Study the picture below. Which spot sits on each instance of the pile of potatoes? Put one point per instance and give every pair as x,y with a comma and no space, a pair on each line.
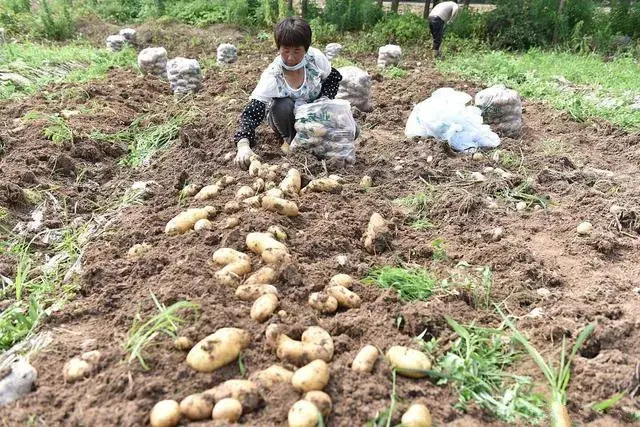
337,294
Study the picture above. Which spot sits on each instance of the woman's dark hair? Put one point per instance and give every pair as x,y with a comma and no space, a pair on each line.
293,32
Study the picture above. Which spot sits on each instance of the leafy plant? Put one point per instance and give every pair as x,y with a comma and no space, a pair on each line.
395,72
57,130
411,284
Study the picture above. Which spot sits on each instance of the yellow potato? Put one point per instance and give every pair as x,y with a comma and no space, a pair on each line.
365,359
231,222
203,224
272,335
344,296
271,251
253,202
323,302
313,376
265,275
190,190
321,400
76,369
342,280
218,349
277,232
254,167
183,343
138,250
232,206
417,416
303,414
228,409
291,183
253,292
245,391
208,192
337,178
226,180
184,221
366,182
300,353
323,185
196,407
408,362
244,192
165,413
281,206
271,376
264,307
258,185
92,357
376,237
275,192
317,335
224,256
270,185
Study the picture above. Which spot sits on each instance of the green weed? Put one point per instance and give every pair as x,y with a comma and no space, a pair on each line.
411,284
477,282
523,193
608,403
419,205
395,73
57,130
439,251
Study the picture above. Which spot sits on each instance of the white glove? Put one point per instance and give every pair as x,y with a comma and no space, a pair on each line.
244,154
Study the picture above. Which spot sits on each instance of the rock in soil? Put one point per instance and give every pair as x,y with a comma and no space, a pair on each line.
17,381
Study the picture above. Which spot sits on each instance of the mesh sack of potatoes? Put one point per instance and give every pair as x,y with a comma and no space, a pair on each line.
502,109
184,75
115,43
327,130
355,87
153,60
227,53
129,35
333,50
389,55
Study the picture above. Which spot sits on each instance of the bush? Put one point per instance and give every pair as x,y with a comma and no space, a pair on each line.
54,21
518,25
403,29
323,32
470,24
352,15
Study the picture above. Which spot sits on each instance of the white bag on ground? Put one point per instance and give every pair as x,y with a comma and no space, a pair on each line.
502,109
332,50
446,116
115,43
389,55
153,60
326,129
355,87
184,75
227,53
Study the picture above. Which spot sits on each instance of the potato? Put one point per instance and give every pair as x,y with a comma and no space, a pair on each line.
271,176
323,302
218,349
265,275
138,250
91,357
228,409
281,206
271,251
275,192
254,167
258,185
291,183
342,280
253,292
271,376
321,400
344,296
323,185
264,307
183,343
190,190
253,202
270,185
417,416
231,273
184,221
227,179
278,232
316,343
272,335
203,224
196,406
231,222
337,178
165,413
232,206
377,236
313,376
317,335
285,148
303,414
408,362
245,391
366,182
224,256
365,359
244,192
208,192
76,369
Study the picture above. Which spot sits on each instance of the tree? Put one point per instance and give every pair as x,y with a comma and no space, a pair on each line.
394,5
305,7
556,28
466,3
290,6
427,7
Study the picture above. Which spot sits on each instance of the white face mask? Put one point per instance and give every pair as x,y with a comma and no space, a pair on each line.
296,67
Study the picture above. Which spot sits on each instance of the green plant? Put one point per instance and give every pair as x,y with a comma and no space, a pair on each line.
395,73
55,21
477,366
524,192
411,284
477,282
350,15
57,130
419,205
439,252
557,377
167,322
608,403
404,29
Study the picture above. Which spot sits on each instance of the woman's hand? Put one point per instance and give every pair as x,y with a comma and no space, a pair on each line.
244,154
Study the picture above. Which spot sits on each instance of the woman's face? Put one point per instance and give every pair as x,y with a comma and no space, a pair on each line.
292,55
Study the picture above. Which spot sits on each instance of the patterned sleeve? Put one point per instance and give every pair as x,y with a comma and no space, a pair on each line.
330,84
250,119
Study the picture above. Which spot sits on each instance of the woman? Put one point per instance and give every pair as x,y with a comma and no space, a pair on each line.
300,74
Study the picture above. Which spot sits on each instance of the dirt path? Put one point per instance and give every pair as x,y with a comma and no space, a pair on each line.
589,278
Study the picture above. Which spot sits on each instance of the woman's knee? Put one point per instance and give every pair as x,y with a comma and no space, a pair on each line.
282,107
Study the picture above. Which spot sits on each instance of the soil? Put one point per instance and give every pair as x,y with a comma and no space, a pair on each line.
593,278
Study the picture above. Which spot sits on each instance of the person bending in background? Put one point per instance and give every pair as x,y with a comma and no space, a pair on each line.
300,74
440,16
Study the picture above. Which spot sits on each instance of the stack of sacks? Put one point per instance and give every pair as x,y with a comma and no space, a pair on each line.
184,75
227,53
389,55
502,109
129,35
332,50
115,43
355,87
153,60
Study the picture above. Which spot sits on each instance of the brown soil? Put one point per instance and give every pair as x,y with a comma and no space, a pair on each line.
590,278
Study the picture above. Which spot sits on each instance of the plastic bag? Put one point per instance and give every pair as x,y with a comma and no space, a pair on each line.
355,87
446,116
502,109
326,129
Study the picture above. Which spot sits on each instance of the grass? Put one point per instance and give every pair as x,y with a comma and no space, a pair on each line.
524,192
167,322
477,365
56,128
43,64
395,73
591,87
558,377
411,284
418,204
476,281
145,141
